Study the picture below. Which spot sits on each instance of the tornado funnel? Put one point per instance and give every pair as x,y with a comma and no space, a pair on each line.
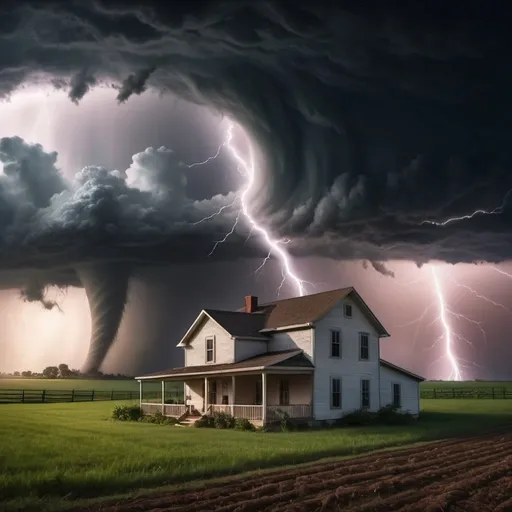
106,287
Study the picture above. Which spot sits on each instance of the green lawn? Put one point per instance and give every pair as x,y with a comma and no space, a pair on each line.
48,451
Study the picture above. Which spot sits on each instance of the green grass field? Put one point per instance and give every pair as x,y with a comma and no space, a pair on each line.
89,385
465,384
52,451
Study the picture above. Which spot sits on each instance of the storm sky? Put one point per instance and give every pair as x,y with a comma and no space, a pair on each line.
364,125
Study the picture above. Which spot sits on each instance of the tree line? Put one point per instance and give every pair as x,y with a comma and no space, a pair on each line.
62,371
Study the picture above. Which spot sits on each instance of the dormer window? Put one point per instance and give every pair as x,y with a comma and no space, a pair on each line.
347,309
210,349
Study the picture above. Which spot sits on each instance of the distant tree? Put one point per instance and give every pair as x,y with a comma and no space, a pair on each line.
51,372
27,374
16,374
64,371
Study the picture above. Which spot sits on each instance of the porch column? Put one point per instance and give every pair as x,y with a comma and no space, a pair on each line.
140,394
233,394
163,396
205,394
264,396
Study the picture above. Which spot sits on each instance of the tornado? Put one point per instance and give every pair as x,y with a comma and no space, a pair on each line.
106,287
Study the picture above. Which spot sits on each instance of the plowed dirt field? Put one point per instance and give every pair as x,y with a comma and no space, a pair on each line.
471,475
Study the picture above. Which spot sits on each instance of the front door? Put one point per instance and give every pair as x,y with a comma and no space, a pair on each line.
284,392
212,392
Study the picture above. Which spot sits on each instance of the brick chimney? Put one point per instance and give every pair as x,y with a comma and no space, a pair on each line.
251,304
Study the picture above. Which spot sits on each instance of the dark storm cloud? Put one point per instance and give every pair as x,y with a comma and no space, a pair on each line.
80,85
134,84
369,121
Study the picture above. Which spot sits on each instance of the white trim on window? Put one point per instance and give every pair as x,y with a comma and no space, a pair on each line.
332,343
364,392
348,310
399,384
211,350
339,392
361,336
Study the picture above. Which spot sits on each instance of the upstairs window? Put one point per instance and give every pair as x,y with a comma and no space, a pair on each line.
210,349
335,344
397,396
364,347
365,394
347,310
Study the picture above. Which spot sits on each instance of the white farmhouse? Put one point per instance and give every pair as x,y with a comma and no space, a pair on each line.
315,357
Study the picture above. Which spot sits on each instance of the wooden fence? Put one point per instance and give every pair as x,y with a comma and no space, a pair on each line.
37,396
463,392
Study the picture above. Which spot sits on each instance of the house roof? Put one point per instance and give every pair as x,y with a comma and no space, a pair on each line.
239,324
311,308
294,312
289,358
401,370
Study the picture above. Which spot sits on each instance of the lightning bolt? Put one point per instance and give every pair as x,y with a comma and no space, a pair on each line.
247,169
448,335
495,211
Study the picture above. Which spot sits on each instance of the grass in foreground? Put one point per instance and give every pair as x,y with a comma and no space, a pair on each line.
48,452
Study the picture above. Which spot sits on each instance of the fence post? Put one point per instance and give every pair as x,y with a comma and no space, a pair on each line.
453,392
435,394
493,393
112,395
72,395
43,394
22,396
92,396
503,389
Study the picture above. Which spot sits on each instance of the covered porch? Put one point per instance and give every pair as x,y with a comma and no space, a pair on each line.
260,395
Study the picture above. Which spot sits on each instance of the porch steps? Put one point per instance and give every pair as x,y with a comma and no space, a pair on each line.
188,421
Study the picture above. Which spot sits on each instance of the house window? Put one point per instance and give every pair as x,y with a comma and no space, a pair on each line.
335,344
258,400
284,392
335,393
365,393
397,395
210,349
348,310
364,347
212,392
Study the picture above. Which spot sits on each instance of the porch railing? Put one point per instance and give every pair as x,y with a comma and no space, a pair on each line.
294,411
250,412
175,410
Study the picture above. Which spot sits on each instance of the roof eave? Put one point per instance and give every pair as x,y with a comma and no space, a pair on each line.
287,327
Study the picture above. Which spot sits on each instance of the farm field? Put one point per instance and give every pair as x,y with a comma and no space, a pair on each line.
54,456
472,475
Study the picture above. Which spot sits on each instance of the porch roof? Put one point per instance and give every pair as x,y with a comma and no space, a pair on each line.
283,358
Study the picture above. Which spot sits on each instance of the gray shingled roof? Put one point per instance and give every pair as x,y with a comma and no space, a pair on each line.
295,358
238,323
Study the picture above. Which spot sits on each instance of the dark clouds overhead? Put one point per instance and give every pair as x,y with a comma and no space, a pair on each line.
367,122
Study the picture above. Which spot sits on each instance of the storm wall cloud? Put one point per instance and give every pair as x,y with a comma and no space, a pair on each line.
365,123
369,121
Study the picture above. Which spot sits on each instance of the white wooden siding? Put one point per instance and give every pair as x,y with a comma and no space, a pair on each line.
249,348
409,389
300,339
348,368
195,352
300,389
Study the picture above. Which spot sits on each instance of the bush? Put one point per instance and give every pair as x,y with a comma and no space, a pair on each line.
359,418
223,420
159,419
204,422
390,415
127,413
244,424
